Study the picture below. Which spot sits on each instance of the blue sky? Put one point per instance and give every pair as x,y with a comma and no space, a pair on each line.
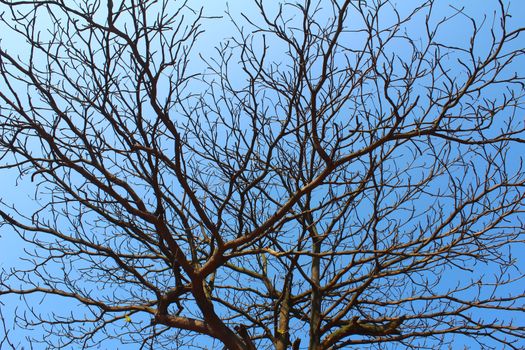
19,192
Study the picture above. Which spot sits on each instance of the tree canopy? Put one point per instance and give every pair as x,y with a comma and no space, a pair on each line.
329,174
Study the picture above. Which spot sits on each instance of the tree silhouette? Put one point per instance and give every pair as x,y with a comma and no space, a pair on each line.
335,174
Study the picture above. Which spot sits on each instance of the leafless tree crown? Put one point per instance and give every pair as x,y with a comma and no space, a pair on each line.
334,174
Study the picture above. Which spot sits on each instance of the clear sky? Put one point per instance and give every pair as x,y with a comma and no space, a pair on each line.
19,192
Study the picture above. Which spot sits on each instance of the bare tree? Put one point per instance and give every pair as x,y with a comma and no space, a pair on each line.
339,174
